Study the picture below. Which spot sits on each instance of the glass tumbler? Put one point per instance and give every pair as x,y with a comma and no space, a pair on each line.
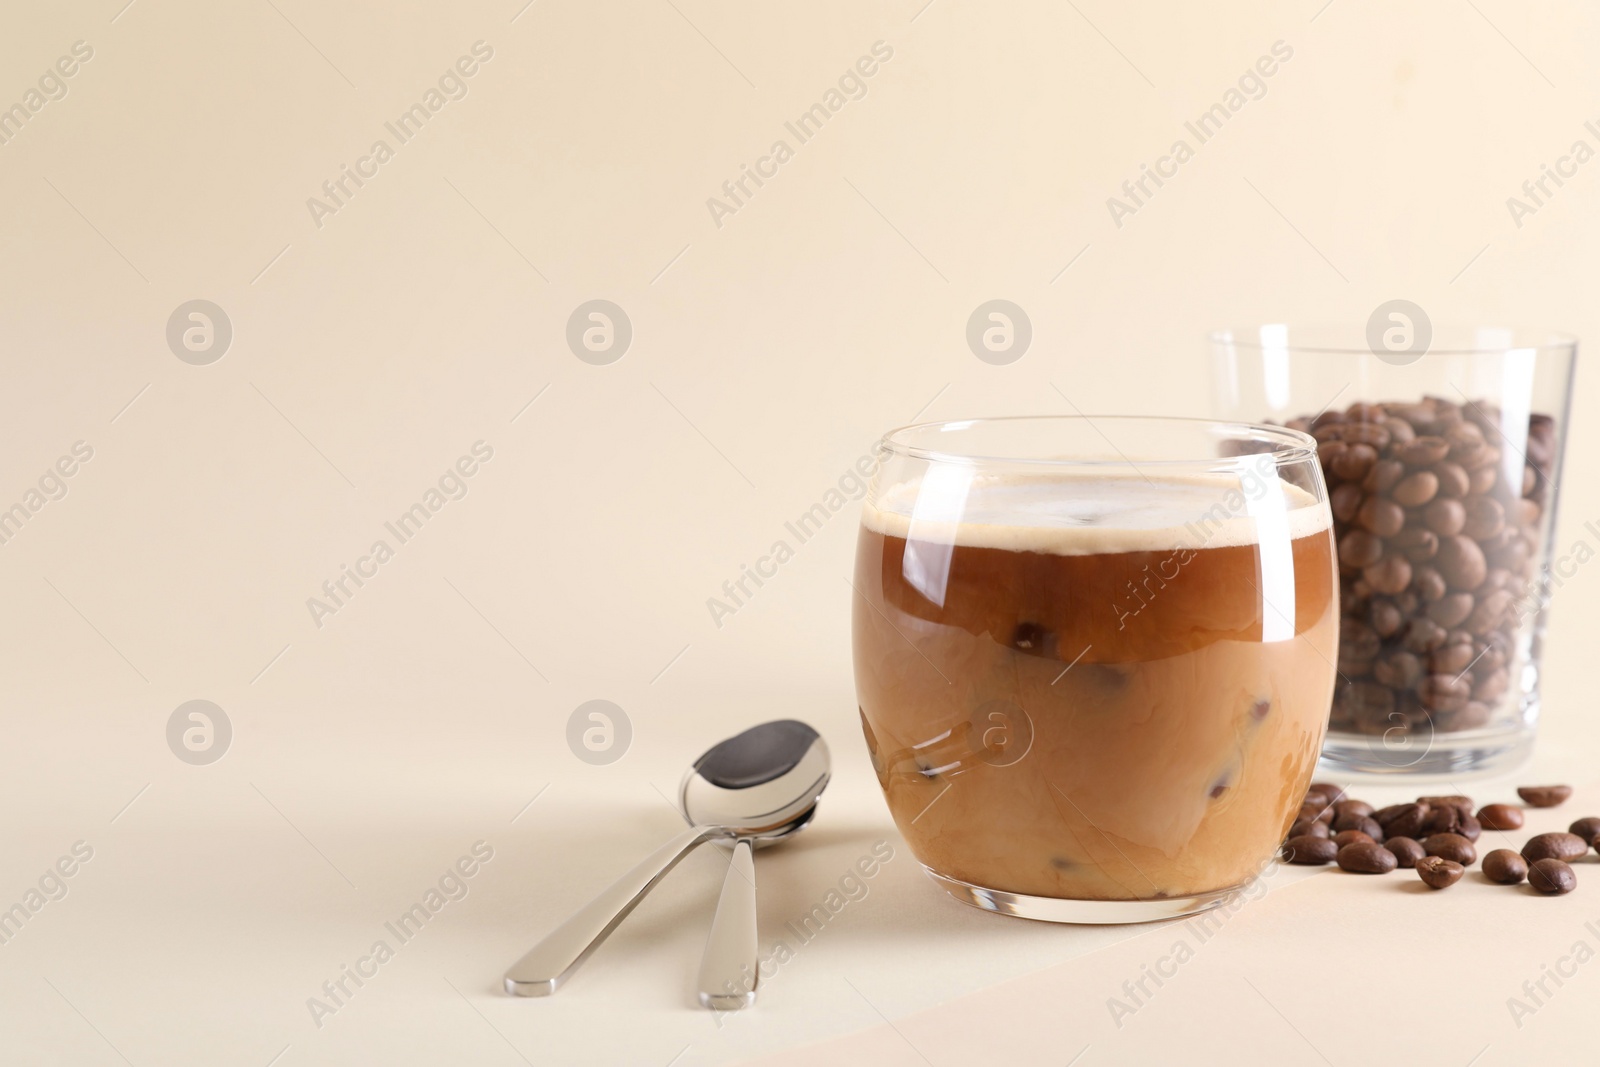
1442,453
1093,657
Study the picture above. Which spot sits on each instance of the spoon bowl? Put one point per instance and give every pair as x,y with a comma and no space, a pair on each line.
762,784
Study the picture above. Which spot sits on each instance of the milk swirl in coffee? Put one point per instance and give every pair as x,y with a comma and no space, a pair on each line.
1094,687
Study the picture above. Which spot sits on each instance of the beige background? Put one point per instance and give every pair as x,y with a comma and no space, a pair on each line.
767,354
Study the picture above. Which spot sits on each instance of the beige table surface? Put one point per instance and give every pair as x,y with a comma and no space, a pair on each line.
375,745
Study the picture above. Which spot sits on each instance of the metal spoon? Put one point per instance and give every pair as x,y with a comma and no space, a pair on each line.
766,762
762,784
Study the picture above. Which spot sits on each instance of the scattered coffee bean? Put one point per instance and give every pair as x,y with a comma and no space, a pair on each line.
1310,851
1455,800
1544,796
1558,846
1442,820
1405,820
1470,828
1505,866
1350,837
1587,828
1364,857
1332,793
1310,828
1351,820
1315,800
1406,851
1357,808
1501,817
1552,877
1438,873
1451,847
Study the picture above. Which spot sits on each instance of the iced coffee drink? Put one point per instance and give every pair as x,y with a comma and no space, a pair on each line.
1095,681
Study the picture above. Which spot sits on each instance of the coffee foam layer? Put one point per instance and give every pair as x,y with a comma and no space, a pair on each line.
1083,514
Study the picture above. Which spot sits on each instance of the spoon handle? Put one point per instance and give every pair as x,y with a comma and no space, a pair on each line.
552,960
729,969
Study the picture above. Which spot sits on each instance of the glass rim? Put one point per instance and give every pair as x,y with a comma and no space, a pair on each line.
1248,336
1296,447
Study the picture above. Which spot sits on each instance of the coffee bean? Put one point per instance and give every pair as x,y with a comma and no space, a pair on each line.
1439,873
1390,575
1474,715
1505,867
1557,845
1452,658
1453,480
1366,858
1452,609
1482,478
1552,877
1461,803
1386,618
1382,517
1309,828
1359,549
1423,635
1416,544
1489,612
1429,582
1333,793
1500,817
1406,850
1463,433
1407,821
1351,820
1398,670
1544,796
1353,462
1310,851
1445,819
1416,488
1423,451
1445,516
1460,562
1350,837
1441,692
1451,847
1352,807
1384,476
1485,517
1345,502
1587,828
1470,828
1314,800
1366,432
1371,828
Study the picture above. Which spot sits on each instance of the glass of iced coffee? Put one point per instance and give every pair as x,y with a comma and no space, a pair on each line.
1093,657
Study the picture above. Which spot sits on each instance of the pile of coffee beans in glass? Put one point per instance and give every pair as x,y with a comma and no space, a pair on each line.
1437,517
1438,836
